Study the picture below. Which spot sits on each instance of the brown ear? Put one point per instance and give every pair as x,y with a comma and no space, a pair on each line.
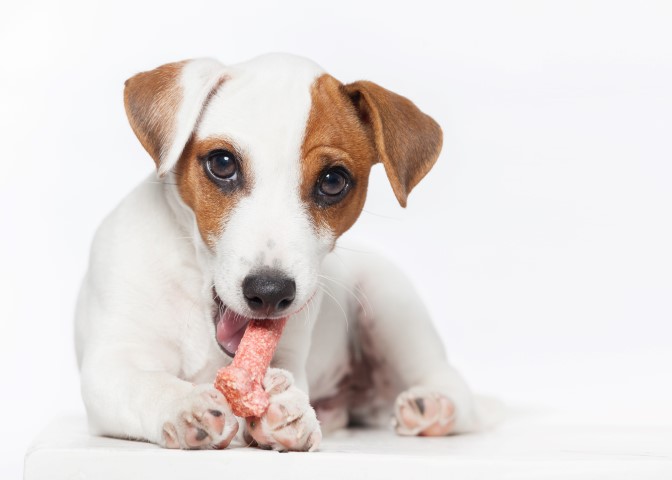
408,142
163,106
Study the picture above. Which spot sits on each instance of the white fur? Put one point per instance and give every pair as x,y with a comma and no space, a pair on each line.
144,328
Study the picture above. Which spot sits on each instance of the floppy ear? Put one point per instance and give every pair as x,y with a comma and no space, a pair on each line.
164,105
407,141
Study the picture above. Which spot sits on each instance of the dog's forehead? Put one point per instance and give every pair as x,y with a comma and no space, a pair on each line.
263,104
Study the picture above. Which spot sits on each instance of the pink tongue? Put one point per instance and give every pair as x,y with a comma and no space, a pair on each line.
230,329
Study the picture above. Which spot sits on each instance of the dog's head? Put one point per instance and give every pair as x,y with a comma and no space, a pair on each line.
273,158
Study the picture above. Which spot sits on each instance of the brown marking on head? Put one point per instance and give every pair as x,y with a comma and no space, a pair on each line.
335,137
210,203
355,126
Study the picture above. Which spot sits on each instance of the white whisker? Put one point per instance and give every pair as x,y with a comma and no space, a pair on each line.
368,252
345,315
380,215
308,312
358,290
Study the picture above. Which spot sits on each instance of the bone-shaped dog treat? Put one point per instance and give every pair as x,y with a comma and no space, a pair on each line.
240,382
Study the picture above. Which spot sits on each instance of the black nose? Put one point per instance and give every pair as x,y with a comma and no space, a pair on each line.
269,291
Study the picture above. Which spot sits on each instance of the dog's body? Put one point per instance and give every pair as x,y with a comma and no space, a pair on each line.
264,165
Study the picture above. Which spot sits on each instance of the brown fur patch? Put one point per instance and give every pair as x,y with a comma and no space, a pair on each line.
408,142
211,205
335,136
152,99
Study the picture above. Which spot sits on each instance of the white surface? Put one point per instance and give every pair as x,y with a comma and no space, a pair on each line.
536,446
541,240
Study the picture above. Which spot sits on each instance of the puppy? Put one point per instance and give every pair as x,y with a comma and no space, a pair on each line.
261,168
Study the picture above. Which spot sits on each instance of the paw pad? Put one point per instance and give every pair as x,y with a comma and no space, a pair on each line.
424,413
203,419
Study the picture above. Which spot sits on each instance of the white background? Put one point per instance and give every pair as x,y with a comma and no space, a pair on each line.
541,240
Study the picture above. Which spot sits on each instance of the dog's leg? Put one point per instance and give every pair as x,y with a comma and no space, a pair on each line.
398,330
134,392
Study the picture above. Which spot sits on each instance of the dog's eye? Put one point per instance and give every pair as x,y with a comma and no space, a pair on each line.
222,165
333,185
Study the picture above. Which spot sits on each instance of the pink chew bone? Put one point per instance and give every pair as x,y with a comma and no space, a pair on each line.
240,382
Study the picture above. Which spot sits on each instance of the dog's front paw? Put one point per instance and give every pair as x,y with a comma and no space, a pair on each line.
420,411
290,423
202,419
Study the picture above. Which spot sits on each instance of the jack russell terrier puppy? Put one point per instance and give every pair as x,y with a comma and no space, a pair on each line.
261,167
